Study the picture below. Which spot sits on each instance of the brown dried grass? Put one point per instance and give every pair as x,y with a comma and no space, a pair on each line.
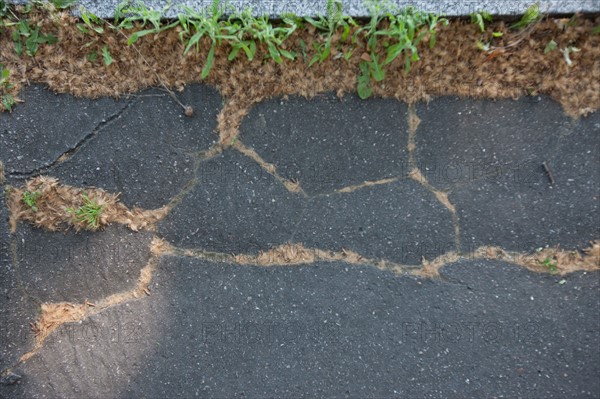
291,185
55,199
54,315
431,269
566,261
355,187
453,67
296,254
160,247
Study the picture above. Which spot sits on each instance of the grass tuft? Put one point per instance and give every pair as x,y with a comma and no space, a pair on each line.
88,214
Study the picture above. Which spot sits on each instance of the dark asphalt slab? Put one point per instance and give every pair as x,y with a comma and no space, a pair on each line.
75,267
235,207
148,152
37,267
486,329
46,125
490,156
461,142
17,307
330,143
400,221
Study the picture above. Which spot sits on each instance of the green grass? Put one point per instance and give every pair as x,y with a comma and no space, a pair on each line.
479,18
531,15
328,26
407,28
88,214
551,265
3,8
30,199
7,99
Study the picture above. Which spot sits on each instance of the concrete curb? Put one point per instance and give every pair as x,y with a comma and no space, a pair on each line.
355,8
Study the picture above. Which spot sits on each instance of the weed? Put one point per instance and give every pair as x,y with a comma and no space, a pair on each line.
524,26
369,66
7,99
242,42
91,23
329,25
479,18
551,46
91,57
62,4
198,25
127,15
550,264
364,81
30,199
29,38
108,59
26,36
88,214
531,15
407,28
251,29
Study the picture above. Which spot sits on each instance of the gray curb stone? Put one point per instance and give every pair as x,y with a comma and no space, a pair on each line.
356,8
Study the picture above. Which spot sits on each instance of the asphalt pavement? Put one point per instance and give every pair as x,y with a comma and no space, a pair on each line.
336,175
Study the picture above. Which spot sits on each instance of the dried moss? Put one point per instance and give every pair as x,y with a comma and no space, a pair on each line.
54,200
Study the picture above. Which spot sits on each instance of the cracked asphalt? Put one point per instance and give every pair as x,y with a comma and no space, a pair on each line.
334,175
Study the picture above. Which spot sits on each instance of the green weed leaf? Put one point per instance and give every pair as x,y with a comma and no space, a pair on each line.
209,62
62,4
551,46
364,81
531,15
136,35
106,56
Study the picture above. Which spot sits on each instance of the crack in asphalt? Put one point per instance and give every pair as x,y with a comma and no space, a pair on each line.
442,196
18,175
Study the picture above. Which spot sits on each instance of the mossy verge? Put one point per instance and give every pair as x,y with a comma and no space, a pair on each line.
454,66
